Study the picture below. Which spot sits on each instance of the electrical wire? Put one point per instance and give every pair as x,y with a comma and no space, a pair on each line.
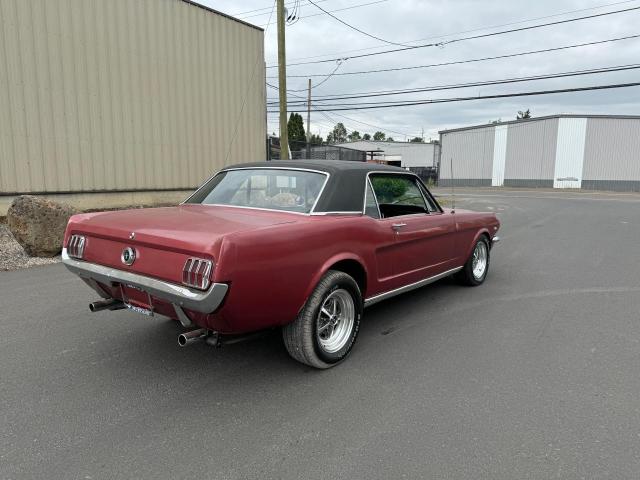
246,92
264,9
483,97
378,127
351,8
458,32
573,73
462,39
473,60
356,28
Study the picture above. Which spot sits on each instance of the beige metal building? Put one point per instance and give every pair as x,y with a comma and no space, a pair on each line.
593,152
112,102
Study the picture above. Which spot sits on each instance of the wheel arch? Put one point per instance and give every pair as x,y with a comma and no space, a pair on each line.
349,263
481,232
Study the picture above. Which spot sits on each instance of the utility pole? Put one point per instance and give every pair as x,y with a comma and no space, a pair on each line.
282,82
309,121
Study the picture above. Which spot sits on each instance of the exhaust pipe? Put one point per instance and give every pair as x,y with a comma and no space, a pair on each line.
110,304
192,336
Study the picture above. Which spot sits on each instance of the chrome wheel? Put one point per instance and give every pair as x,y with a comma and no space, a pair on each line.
479,260
335,321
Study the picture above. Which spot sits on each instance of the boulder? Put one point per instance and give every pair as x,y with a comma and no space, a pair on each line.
38,224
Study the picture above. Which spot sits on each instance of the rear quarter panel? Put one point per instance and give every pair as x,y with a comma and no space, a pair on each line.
272,271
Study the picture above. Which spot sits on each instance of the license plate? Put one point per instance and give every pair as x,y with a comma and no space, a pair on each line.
141,310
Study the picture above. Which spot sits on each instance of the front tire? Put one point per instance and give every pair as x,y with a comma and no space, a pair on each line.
326,328
475,270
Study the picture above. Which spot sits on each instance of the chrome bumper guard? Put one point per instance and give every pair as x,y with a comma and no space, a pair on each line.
191,299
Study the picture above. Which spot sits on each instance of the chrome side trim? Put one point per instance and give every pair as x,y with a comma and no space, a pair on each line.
407,288
495,239
199,301
319,214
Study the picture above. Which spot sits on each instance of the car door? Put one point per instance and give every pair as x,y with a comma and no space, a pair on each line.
424,235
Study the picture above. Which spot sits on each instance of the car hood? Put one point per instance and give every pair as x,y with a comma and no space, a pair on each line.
194,228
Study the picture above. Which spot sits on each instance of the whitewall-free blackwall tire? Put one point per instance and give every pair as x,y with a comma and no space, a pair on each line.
326,329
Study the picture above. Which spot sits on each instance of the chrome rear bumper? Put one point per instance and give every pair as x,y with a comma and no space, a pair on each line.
188,298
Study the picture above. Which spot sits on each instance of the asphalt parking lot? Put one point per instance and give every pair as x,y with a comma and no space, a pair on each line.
534,375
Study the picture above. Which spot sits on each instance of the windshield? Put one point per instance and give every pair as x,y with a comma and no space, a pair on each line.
275,189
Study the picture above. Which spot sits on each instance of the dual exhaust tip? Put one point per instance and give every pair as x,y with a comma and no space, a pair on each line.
184,339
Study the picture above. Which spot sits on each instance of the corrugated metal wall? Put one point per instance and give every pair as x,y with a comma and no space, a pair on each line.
531,152
413,154
612,154
101,95
471,152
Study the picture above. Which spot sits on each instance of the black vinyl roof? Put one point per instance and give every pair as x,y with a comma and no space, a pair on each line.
344,191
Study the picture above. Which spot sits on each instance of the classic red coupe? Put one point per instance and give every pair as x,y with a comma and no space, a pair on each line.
299,245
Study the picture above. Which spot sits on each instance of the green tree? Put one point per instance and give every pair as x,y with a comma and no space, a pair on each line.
366,136
417,140
315,139
379,136
354,136
522,115
295,129
338,134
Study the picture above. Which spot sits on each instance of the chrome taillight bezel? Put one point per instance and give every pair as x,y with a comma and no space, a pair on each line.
196,273
75,247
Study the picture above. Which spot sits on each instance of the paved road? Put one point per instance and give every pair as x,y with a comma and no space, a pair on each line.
533,375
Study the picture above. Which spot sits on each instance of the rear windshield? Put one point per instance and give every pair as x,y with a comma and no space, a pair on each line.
274,189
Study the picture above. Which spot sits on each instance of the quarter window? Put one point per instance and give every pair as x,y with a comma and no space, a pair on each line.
370,204
398,195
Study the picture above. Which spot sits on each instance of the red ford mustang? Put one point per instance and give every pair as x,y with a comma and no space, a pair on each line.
304,246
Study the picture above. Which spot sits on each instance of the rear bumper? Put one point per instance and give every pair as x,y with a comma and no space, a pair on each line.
188,298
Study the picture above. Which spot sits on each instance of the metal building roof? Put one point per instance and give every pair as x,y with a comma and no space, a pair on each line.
535,119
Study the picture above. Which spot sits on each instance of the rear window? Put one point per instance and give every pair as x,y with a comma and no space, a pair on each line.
274,189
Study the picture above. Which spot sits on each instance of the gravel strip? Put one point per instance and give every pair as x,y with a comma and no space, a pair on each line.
12,255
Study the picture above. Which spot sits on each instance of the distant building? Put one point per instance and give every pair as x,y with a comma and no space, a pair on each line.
403,154
593,152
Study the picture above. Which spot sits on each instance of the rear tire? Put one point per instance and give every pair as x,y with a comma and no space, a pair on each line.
475,270
327,327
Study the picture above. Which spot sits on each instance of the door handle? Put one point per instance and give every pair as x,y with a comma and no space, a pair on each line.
397,226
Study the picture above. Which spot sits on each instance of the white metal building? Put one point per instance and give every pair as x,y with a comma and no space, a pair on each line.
411,154
111,102
593,152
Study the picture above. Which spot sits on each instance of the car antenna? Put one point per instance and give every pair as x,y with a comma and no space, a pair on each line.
453,191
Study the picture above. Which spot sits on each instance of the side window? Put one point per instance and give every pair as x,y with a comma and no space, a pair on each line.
370,204
398,195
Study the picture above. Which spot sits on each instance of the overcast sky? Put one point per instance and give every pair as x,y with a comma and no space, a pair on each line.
415,21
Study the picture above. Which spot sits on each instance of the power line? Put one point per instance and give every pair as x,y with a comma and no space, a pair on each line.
459,32
385,129
355,28
573,73
484,97
246,92
320,82
351,8
473,37
473,60
244,14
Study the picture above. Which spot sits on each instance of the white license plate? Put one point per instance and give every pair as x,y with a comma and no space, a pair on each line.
141,310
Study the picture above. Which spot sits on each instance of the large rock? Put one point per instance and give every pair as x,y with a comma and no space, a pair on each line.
38,224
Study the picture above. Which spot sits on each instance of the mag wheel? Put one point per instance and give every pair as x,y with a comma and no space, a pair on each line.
327,327
475,270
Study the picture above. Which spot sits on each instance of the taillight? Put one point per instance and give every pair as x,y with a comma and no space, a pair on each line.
196,273
75,247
